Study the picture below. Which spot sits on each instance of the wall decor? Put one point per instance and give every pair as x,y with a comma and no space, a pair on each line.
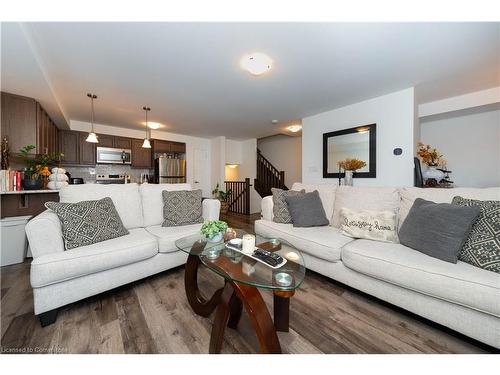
359,142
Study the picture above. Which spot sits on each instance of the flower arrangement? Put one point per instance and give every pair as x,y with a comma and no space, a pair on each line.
430,156
37,166
351,164
212,229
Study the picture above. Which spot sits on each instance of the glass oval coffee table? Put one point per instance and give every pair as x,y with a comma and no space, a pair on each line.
244,277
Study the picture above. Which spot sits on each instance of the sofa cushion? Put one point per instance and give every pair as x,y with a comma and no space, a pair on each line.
371,225
321,242
307,210
482,248
459,283
126,199
326,194
438,229
152,201
57,267
365,198
167,236
408,196
281,214
88,222
182,208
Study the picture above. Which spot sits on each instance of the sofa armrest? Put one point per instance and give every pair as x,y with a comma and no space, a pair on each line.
211,209
45,234
267,208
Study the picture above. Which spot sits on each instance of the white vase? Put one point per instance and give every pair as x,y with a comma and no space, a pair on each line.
348,178
433,173
216,238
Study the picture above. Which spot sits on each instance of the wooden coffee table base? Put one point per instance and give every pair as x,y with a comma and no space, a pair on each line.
229,302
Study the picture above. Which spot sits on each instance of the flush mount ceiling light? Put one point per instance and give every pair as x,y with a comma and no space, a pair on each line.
294,128
256,63
92,137
153,125
146,143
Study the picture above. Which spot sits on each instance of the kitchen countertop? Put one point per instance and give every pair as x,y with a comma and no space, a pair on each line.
29,191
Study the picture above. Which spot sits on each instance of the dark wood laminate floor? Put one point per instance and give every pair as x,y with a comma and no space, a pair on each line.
153,316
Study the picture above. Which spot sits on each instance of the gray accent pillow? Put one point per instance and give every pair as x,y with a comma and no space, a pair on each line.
280,208
182,207
482,248
307,210
88,222
437,229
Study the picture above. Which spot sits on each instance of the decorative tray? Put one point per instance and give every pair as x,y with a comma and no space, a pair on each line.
239,250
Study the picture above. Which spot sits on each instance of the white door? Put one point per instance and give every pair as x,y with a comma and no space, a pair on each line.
201,171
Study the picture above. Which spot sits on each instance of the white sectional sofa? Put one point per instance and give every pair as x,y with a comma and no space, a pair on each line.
60,277
460,296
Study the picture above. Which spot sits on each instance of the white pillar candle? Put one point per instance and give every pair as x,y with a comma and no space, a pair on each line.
248,243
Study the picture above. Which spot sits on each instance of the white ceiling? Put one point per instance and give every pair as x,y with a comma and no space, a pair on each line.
189,73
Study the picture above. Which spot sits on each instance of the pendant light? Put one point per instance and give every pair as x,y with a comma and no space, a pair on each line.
146,143
92,137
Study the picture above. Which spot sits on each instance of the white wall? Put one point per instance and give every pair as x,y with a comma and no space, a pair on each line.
218,160
248,168
470,143
192,143
233,152
285,153
394,115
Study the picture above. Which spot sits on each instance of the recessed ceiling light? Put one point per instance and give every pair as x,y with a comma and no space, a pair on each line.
256,63
153,125
274,121
294,128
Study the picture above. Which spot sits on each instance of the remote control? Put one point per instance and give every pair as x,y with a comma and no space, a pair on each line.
270,258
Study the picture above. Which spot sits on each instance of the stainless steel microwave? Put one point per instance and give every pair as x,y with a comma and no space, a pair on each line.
108,155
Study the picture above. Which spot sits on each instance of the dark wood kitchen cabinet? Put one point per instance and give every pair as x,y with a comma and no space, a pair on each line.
105,140
19,123
76,150
141,157
68,145
86,150
25,122
123,143
178,147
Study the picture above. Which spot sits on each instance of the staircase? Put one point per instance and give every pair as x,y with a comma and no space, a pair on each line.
267,176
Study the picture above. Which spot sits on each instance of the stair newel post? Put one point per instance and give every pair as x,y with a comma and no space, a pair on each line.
247,196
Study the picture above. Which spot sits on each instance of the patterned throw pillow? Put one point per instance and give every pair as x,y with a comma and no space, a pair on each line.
372,225
182,207
88,222
280,208
482,247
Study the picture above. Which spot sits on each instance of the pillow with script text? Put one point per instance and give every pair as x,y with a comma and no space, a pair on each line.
371,225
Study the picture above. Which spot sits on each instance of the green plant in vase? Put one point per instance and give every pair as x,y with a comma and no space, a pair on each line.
223,197
214,230
37,167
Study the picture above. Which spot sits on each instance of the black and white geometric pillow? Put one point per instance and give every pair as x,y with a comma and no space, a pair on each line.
182,207
281,214
88,222
482,248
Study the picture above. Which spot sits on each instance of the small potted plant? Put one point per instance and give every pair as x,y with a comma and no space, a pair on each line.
214,230
223,197
36,171
350,166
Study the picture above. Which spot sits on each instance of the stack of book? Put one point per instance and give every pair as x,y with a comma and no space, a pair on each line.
10,180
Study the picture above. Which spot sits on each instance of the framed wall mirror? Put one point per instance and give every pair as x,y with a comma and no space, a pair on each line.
354,143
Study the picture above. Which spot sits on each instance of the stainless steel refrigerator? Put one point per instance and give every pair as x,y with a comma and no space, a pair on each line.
170,171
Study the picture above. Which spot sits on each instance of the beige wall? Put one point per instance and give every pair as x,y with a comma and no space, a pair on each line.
285,153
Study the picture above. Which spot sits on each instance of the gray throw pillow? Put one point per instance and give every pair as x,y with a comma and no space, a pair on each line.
437,229
88,222
280,208
307,210
482,248
182,207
